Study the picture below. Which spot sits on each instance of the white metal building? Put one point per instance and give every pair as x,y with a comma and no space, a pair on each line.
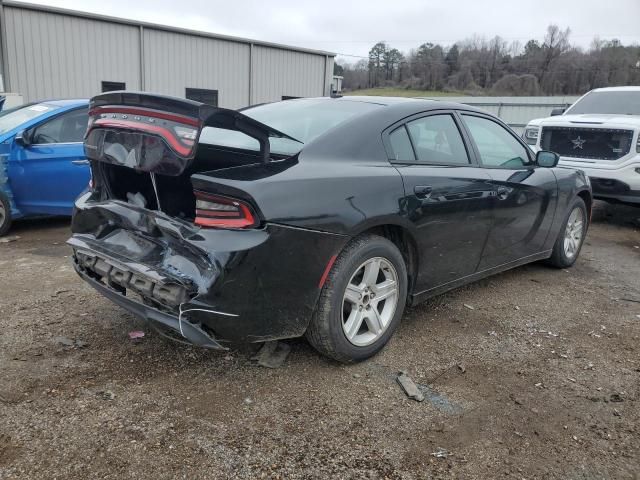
55,53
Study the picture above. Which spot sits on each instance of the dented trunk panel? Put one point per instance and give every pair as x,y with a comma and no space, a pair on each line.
237,285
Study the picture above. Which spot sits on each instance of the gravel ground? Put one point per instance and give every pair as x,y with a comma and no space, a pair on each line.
534,373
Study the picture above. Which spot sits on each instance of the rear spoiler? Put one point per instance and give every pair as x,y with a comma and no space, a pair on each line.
178,121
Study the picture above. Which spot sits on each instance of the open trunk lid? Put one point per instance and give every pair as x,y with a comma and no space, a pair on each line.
159,134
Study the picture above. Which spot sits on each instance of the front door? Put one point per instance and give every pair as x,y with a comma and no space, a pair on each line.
448,198
49,172
525,194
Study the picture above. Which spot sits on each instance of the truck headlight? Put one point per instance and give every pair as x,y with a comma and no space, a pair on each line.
530,135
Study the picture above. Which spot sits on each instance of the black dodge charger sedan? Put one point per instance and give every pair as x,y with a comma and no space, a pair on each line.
321,217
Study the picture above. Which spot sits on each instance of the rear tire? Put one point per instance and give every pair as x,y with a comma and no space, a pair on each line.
5,214
571,236
355,324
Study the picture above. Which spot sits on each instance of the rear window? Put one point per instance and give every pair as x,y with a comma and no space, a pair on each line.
621,103
303,120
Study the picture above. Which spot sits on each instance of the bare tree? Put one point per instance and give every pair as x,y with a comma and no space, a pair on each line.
477,65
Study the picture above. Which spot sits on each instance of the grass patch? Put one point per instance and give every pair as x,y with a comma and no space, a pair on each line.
401,92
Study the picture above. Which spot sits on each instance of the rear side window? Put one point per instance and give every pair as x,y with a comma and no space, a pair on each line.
69,127
436,139
401,145
497,147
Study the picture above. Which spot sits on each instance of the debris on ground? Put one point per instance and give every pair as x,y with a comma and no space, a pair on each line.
64,341
470,307
441,453
616,398
9,239
106,394
461,368
272,354
136,334
410,388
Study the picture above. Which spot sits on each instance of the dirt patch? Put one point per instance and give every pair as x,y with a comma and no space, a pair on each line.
539,379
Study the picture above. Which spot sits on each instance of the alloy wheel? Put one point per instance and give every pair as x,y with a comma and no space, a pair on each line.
370,301
574,232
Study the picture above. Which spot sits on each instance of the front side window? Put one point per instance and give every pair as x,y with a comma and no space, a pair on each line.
69,127
436,139
497,147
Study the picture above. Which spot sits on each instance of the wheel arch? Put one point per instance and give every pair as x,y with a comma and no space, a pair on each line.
405,240
586,196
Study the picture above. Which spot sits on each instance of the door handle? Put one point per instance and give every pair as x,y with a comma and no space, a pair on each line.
423,191
80,162
502,193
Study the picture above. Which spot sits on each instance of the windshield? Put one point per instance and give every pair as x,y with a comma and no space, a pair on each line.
620,103
17,117
303,120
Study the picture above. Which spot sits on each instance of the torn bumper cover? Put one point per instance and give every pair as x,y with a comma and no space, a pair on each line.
210,286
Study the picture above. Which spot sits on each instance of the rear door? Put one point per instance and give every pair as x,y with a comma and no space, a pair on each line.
525,194
51,171
448,198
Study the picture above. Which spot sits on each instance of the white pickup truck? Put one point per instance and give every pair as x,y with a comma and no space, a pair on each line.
599,134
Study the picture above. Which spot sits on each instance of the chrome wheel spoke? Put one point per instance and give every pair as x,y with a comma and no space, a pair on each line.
353,294
353,324
374,322
369,301
385,289
573,232
371,272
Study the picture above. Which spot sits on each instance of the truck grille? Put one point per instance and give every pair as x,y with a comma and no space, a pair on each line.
596,143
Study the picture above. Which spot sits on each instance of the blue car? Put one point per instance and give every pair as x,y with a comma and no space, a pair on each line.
42,163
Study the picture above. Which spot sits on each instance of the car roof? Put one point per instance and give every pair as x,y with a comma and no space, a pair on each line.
632,88
406,105
73,102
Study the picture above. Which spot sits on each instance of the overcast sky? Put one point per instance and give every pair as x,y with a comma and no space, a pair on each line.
352,27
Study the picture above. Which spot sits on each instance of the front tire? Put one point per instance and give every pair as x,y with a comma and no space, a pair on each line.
571,236
5,214
361,302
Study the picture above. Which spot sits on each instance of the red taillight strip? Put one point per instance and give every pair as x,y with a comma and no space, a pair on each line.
163,132
242,218
223,222
327,269
149,113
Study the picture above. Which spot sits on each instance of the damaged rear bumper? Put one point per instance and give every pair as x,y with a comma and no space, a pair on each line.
192,333
212,286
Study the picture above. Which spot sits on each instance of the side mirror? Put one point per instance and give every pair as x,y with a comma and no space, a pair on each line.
547,159
23,138
557,111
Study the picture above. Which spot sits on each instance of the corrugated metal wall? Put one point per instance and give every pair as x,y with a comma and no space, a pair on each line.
57,56
514,111
52,53
279,72
175,61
